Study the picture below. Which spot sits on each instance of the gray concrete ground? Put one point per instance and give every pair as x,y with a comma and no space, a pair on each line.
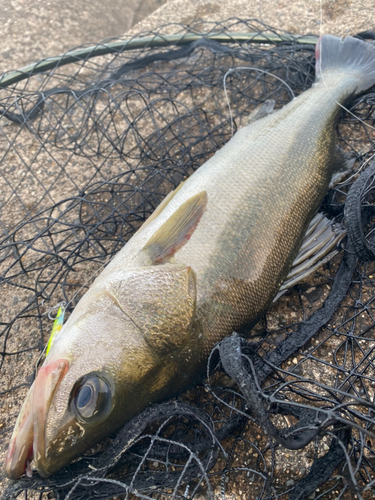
32,30
339,17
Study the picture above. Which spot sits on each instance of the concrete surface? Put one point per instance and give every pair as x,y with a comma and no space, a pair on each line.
339,17
33,30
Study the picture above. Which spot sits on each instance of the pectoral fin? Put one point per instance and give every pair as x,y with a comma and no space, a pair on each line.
318,247
175,231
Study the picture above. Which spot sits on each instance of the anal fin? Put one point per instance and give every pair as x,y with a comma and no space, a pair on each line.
318,247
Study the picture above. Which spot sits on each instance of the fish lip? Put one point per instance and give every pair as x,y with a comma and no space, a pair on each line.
47,382
16,462
21,443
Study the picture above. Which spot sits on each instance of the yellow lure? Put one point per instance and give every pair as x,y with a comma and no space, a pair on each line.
57,324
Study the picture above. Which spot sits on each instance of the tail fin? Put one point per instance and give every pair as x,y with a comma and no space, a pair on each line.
351,55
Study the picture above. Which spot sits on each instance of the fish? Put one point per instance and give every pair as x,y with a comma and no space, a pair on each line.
210,259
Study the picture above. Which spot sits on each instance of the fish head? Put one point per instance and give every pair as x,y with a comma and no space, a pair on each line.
115,355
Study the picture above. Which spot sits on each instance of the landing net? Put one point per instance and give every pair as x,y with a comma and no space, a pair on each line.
90,143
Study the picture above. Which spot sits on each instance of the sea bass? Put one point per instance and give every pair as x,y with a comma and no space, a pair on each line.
210,259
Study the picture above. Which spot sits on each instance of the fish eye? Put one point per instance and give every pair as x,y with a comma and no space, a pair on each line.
91,398
84,396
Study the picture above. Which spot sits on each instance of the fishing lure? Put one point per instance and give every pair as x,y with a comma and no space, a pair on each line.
57,325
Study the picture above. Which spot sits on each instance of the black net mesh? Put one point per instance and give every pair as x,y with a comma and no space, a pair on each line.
89,149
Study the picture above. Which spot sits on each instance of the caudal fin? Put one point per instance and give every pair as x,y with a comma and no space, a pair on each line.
351,55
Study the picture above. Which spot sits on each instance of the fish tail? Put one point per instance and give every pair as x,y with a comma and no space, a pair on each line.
351,55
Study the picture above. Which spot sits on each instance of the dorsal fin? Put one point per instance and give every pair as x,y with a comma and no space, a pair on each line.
263,109
175,231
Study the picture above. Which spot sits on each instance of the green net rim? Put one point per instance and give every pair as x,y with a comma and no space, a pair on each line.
12,77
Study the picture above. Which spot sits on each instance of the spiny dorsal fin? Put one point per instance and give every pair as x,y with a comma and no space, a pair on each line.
264,109
158,210
175,231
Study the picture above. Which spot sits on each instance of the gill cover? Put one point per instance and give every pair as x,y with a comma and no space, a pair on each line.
160,301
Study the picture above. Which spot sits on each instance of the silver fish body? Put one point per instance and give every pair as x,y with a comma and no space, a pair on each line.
210,260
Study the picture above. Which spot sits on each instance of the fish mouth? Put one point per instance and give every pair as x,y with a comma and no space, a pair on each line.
20,449
28,440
